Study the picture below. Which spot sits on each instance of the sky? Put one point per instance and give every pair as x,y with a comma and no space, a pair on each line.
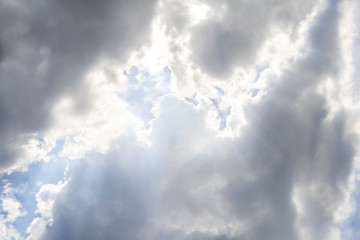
183,120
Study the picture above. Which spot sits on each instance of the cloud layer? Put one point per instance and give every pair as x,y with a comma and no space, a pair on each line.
47,49
181,120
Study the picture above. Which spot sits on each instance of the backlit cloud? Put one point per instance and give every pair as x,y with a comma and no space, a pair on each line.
179,120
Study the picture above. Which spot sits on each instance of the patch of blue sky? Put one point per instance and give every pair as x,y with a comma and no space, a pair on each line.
142,94
191,100
351,228
27,184
222,114
132,80
253,92
167,74
220,90
259,69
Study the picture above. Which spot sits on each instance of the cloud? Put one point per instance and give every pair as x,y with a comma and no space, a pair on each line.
47,49
236,32
11,210
191,185
231,123
10,205
118,196
45,201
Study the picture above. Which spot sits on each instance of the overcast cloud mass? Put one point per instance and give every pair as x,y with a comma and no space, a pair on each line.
183,120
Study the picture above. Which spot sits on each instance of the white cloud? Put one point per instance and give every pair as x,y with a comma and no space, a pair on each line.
8,232
45,200
11,210
10,205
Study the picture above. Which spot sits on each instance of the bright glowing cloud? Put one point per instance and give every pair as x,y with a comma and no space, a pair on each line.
169,119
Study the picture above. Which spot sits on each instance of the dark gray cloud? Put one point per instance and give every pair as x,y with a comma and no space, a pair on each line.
293,143
46,48
236,38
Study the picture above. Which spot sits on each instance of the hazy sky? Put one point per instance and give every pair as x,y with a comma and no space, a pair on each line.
179,120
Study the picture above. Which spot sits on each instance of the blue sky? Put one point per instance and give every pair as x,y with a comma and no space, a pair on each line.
168,119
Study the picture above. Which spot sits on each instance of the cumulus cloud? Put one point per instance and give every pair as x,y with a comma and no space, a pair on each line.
235,38
11,210
47,48
45,201
185,120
